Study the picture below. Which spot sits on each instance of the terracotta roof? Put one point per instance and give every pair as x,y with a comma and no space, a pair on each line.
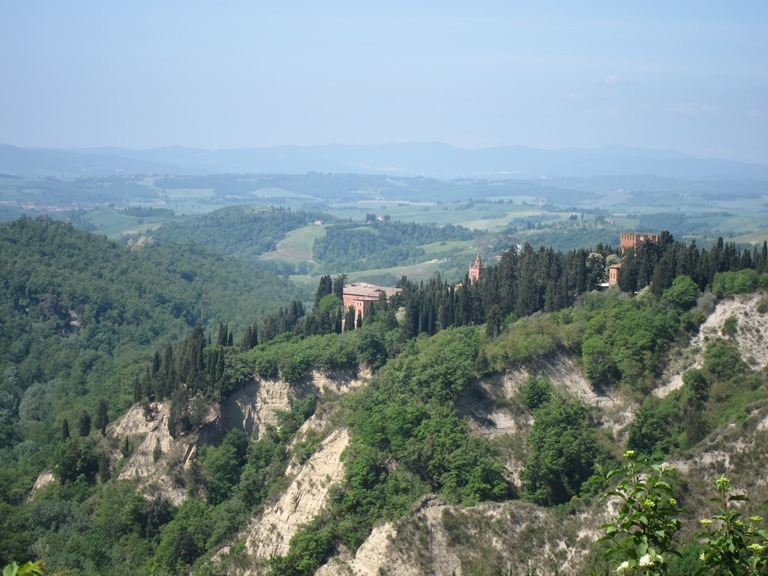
368,290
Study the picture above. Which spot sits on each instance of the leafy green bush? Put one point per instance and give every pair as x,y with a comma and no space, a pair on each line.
656,427
537,392
562,452
643,536
722,359
762,306
683,293
730,327
645,528
731,546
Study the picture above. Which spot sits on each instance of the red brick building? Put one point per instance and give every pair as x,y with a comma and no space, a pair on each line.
476,270
361,296
634,241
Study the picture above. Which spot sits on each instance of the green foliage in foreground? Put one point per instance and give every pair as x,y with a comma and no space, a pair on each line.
644,532
27,569
732,546
643,536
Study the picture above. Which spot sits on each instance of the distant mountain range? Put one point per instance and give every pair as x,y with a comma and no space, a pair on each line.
414,159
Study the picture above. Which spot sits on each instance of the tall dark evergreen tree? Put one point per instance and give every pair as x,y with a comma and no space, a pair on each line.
102,417
84,423
324,288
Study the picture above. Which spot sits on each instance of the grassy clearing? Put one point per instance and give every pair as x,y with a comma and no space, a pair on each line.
416,272
297,245
757,237
446,249
115,224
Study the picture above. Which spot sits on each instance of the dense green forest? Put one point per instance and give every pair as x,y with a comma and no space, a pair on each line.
80,314
90,327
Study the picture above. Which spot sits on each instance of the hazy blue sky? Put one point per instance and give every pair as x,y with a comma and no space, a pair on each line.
689,75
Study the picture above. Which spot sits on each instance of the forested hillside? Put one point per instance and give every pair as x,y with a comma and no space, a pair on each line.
81,315
508,398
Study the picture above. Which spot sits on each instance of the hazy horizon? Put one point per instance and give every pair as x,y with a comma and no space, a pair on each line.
682,76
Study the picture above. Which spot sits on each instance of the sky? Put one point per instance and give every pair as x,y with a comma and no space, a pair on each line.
679,74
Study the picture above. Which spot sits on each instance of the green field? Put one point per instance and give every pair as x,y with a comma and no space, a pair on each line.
297,245
115,224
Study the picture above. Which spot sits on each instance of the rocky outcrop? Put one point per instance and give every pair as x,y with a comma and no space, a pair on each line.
306,496
750,337
253,407
439,538
159,460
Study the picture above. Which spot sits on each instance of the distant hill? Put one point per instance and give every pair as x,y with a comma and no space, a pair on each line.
407,159
43,162
66,294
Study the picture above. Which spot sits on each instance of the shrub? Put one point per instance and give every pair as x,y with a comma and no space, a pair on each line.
563,449
683,293
730,327
722,359
645,529
731,546
537,392
762,306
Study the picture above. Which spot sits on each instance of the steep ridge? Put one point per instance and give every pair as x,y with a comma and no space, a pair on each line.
750,336
438,538
303,500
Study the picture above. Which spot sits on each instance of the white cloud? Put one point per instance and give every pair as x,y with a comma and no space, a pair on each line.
611,79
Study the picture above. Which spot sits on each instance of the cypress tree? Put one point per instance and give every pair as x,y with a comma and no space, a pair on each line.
84,423
102,417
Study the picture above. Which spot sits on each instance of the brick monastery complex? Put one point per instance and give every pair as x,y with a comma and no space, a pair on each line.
629,240
362,295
